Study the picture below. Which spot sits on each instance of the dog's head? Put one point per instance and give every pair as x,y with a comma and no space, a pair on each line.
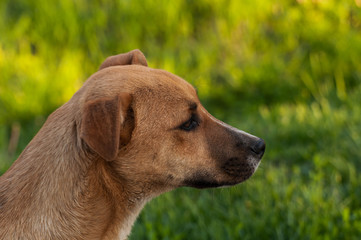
149,126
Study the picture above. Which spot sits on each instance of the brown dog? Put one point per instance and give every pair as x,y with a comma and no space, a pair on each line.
129,134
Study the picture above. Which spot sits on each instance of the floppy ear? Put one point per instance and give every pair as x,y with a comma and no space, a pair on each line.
105,126
129,58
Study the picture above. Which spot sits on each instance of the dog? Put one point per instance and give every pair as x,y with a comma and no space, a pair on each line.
129,134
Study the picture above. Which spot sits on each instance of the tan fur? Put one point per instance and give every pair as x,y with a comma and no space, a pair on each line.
117,143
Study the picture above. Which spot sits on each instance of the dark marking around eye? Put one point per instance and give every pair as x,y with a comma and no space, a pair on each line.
191,124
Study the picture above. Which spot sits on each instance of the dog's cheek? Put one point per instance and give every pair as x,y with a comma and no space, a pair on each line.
193,150
174,156
178,140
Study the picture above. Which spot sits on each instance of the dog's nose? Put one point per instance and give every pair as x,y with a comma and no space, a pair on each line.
259,147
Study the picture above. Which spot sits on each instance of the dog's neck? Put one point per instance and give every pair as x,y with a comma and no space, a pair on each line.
62,191
123,202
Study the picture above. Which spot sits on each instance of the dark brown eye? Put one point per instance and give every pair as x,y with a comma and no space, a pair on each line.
191,124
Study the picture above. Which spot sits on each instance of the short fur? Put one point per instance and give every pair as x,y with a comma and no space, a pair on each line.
129,134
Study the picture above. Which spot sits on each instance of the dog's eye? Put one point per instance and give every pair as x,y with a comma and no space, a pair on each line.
191,124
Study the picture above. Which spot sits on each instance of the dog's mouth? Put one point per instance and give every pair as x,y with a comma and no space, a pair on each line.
234,171
200,183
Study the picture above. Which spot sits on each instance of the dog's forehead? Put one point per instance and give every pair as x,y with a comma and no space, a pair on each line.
175,85
160,92
172,91
140,82
156,83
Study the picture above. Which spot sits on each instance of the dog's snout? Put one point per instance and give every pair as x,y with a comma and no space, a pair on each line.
259,147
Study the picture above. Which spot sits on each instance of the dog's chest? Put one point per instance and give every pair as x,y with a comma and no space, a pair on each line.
127,223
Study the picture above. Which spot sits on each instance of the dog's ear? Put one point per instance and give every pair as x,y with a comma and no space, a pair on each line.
129,58
106,125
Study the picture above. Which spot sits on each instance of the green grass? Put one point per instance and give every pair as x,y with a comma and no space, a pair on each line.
307,186
287,71
277,203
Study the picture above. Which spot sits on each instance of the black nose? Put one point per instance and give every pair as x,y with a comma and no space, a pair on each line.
259,147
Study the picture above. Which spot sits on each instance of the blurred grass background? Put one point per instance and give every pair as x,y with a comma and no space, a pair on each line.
285,70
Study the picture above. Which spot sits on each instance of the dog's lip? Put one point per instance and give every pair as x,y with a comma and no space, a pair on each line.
229,177
202,184
203,179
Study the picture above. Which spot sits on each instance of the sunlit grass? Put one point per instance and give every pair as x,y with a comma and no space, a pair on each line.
286,71
307,186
